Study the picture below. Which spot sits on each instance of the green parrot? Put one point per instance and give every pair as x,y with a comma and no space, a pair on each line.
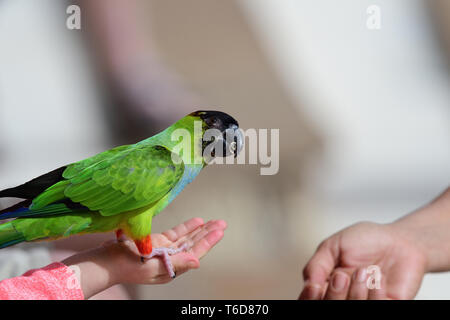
119,190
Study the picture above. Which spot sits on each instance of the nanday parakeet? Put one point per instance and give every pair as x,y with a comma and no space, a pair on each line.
119,190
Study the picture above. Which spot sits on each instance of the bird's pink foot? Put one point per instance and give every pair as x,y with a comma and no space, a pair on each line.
165,254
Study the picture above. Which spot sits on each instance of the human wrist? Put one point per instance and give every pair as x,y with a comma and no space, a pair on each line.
410,232
96,270
427,230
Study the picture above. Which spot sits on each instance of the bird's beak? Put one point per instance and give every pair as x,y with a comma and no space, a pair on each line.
234,140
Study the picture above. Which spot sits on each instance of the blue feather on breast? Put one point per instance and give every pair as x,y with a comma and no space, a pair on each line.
189,174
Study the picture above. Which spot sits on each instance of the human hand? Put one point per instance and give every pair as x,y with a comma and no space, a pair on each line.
338,269
199,237
118,262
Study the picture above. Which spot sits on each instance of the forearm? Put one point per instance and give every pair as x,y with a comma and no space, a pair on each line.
52,282
93,269
429,228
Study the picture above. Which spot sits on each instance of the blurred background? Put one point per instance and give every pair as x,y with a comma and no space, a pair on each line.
363,115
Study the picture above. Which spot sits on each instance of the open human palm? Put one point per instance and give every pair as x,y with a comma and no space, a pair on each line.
339,268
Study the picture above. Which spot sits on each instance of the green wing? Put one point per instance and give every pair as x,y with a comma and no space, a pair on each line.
77,167
127,178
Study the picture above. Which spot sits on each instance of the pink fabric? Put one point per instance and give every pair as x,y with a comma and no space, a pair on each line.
53,282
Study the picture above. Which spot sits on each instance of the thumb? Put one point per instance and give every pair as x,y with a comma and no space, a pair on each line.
318,269
184,261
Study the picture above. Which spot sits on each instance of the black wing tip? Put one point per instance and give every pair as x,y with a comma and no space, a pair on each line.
35,187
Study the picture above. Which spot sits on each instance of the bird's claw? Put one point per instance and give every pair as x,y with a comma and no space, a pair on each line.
165,254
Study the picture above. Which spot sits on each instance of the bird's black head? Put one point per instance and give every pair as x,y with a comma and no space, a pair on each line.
227,126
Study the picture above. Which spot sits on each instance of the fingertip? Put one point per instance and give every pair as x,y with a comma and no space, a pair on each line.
214,236
315,274
339,286
339,281
222,224
360,275
311,291
320,266
358,287
193,264
183,262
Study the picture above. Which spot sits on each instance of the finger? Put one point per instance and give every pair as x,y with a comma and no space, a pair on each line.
220,224
338,287
376,287
208,227
200,232
203,229
183,262
311,291
183,229
214,224
206,243
320,266
324,290
358,287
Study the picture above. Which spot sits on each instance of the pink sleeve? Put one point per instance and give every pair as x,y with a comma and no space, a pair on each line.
55,281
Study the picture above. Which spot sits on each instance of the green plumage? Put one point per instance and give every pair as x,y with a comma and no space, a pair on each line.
132,178
122,188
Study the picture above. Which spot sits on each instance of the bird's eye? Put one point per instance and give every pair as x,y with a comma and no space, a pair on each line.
233,146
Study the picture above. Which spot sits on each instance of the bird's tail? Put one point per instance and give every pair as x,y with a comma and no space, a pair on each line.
9,235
